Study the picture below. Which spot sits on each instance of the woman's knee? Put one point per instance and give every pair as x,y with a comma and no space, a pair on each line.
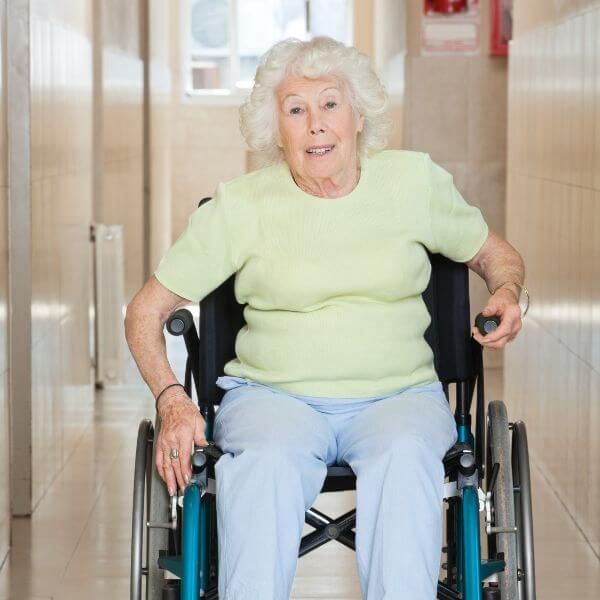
279,456
408,446
277,466
405,453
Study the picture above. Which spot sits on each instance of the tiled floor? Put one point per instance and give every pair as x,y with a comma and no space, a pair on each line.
76,545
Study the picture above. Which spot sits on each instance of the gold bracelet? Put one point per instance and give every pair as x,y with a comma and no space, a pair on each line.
521,287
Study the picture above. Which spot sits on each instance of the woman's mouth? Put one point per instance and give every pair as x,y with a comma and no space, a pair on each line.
320,150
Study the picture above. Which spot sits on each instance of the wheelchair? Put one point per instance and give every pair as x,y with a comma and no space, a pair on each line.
487,491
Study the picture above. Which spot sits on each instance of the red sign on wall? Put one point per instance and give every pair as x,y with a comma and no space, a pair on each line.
450,27
446,7
501,30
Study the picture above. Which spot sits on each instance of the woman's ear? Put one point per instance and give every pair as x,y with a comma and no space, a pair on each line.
360,124
278,139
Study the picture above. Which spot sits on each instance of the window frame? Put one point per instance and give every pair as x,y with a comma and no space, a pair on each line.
224,96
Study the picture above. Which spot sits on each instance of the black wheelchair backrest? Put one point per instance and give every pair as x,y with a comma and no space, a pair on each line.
449,334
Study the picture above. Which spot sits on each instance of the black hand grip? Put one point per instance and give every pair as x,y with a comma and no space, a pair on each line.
180,322
486,324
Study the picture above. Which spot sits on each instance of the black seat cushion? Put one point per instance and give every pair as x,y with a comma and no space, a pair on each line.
341,478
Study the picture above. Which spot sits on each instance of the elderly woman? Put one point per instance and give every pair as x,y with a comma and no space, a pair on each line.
328,244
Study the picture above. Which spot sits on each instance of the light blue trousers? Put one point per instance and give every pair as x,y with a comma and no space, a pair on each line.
277,449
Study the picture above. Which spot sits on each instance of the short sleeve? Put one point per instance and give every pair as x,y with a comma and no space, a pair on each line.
458,229
202,257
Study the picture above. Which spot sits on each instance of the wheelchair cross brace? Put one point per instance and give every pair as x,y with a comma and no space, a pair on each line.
327,529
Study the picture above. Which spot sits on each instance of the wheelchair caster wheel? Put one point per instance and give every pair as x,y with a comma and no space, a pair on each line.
171,591
491,593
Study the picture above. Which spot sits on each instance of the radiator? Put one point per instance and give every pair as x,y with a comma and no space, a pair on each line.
109,300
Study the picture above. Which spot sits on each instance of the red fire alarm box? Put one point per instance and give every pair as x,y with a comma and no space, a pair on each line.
446,7
501,30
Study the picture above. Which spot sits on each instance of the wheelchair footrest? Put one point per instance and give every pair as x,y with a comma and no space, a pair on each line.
491,566
172,564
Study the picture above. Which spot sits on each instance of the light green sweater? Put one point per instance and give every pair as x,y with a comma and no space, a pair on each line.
332,286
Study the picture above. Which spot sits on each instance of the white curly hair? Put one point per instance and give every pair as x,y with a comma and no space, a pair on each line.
321,56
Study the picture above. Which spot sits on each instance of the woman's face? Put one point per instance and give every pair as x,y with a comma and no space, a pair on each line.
317,127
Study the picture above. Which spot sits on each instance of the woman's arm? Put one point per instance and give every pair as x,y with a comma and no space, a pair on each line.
182,424
502,268
146,316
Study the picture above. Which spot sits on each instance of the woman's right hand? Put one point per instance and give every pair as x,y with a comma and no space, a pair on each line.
181,427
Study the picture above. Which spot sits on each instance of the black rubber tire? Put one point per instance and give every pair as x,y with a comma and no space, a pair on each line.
523,512
499,451
158,511
138,524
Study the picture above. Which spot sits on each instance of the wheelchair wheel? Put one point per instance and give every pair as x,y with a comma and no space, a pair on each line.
150,503
503,542
523,512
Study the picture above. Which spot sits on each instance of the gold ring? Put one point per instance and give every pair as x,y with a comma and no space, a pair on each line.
174,454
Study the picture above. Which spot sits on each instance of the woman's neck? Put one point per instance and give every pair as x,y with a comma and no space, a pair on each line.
329,187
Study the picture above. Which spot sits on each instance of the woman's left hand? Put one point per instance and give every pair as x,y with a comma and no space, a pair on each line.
503,305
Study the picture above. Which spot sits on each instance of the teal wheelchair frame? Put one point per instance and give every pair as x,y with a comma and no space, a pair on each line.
487,471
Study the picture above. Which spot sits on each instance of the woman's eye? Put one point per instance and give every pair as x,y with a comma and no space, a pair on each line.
330,105
295,111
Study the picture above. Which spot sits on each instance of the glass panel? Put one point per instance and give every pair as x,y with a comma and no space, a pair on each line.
209,20
260,24
248,66
293,19
331,18
210,73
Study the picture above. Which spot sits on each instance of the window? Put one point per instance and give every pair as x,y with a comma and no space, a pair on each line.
227,37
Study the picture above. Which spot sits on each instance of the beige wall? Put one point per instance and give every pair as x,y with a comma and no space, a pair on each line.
455,109
120,199
388,29
207,146
552,375
61,129
364,19
160,129
62,190
4,417
533,14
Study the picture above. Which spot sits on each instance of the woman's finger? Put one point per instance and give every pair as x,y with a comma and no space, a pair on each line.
502,342
169,473
498,342
489,339
176,463
159,464
186,445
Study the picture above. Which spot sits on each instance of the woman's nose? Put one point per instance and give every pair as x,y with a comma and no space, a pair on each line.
316,124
